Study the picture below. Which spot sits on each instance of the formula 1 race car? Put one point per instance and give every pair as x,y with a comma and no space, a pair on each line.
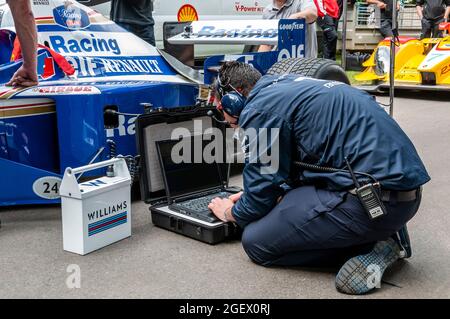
90,69
419,64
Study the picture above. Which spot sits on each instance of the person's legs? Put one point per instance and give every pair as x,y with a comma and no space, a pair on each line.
127,26
330,36
146,32
311,227
426,29
336,23
314,227
436,32
386,28
293,232
321,22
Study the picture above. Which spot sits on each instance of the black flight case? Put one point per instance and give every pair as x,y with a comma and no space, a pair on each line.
157,126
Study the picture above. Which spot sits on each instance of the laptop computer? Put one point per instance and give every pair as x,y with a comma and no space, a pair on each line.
192,184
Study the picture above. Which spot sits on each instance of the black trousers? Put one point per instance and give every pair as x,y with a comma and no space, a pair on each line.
430,28
146,32
386,28
330,36
316,227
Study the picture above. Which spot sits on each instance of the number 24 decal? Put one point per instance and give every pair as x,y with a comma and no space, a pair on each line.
47,187
53,189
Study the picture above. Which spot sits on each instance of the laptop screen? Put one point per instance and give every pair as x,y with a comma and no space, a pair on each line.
193,173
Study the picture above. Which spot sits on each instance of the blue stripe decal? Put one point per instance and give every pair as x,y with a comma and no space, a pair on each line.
88,66
121,222
92,28
107,219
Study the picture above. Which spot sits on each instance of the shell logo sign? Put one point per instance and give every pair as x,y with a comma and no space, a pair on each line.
187,13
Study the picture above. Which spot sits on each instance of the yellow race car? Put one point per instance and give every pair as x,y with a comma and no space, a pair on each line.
419,64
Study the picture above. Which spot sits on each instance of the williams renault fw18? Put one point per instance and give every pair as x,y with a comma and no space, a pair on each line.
419,64
90,68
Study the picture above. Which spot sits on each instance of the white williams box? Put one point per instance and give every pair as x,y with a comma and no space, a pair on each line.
95,213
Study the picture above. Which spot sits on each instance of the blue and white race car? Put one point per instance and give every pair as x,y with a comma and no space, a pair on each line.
86,64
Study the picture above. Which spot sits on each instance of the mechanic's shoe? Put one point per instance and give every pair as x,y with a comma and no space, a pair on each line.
362,273
402,239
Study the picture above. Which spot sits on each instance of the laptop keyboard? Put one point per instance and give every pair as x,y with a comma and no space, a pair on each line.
198,207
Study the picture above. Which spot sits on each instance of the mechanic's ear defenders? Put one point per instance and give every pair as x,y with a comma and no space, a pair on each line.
232,102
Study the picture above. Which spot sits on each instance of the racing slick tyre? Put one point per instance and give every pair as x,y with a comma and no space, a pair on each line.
317,68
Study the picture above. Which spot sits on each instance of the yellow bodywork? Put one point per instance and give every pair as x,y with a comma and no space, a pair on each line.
410,55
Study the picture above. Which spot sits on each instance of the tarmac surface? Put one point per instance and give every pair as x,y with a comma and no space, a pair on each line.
155,263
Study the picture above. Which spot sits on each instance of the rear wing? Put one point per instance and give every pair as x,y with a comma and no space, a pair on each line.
247,32
288,36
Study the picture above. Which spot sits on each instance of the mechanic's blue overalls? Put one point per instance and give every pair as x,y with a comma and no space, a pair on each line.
320,223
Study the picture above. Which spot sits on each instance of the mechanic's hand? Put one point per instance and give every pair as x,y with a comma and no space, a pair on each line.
221,207
24,77
235,197
381,5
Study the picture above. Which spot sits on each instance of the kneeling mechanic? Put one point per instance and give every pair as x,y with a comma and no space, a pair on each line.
301,216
